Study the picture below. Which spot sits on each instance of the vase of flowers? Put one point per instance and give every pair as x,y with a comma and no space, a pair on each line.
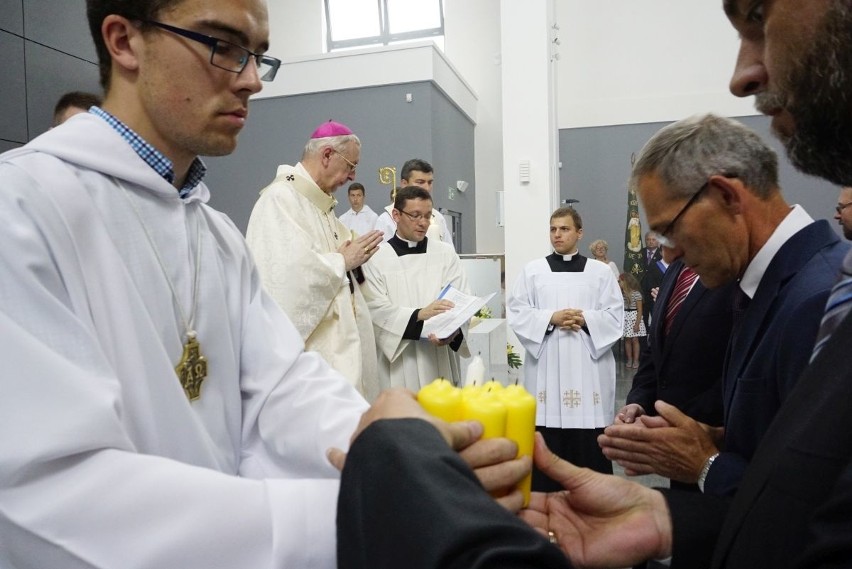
480,315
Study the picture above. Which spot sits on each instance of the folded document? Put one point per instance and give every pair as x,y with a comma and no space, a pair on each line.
465,306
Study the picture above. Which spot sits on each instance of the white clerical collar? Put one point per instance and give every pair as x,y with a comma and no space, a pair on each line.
795,221
569,256
411,244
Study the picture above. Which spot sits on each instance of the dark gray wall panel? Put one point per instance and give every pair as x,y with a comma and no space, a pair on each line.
596,165
12,16
51,73
60,25
391,131
13,103
453,160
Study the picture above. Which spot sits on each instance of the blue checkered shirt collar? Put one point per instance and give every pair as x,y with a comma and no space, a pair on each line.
153,157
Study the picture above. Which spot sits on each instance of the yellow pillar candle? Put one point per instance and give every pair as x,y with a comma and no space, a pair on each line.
487,408
520,426
441,399
471,390
503,411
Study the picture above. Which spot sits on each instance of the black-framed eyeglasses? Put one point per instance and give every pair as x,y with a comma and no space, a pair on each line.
416,216
226,55
352,165
663,237
841,206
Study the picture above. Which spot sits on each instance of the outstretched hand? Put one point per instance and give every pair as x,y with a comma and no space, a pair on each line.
599,520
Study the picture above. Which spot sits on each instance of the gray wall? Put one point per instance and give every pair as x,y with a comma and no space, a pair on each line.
453,160
391,131
47,52
596,165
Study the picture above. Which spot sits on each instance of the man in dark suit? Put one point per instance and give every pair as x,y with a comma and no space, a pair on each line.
804,461
793,505
651,275
843,213
794,502
687,341
651,252
728,219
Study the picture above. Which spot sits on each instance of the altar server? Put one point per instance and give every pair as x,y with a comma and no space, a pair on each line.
158,409
567,311
416,172
360,217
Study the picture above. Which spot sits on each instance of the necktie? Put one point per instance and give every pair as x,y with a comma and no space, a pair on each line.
685,280
839,303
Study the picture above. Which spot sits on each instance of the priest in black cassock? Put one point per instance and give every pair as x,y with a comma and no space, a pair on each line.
403,282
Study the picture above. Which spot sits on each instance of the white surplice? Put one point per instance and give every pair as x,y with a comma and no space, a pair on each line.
294,236
360,222
104,462
572,374
438,230
397,286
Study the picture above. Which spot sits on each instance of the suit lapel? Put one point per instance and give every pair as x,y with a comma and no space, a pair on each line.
789,260
689,303
812,408
660,347
747,332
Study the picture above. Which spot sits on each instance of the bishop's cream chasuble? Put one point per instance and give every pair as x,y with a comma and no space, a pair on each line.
294,236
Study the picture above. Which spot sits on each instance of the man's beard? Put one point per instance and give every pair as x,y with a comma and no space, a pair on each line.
820,89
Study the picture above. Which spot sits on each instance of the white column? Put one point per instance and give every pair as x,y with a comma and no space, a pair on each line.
530,133
472,42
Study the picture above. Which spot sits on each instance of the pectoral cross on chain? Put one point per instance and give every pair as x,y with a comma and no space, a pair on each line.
192,368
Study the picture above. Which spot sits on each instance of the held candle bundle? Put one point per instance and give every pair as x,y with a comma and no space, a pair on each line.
503,411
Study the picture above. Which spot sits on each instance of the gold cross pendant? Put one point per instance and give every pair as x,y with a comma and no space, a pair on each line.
192,368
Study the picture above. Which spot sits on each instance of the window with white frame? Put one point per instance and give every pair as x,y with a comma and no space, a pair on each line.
360,23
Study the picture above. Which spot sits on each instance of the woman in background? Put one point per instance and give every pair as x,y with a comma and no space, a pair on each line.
599,249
